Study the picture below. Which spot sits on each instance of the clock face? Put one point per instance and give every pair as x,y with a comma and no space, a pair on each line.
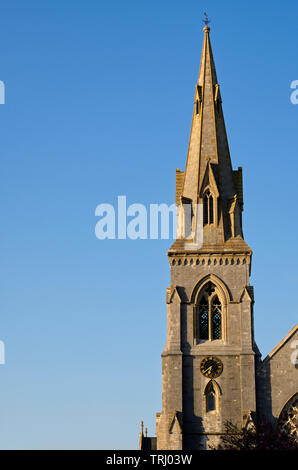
211,367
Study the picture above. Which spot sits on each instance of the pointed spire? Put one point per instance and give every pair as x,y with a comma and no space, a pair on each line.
208,165
208,139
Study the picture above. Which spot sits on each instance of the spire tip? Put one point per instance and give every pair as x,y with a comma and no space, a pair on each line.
206,20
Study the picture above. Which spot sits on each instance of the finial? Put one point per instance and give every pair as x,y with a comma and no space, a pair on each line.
146,432
142,427
206,21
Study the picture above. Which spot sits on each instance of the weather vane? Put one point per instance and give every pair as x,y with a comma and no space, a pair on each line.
206,21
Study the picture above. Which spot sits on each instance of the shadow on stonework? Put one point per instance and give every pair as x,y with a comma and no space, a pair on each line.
193,429
264,393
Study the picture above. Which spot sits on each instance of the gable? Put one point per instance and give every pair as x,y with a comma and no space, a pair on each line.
209,181
288,343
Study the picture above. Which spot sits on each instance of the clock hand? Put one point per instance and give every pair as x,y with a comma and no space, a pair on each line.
207,370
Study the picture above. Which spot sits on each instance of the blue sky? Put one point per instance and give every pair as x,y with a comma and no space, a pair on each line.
98,104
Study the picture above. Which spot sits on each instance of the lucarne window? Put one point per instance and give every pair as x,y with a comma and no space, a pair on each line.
199,99
209,324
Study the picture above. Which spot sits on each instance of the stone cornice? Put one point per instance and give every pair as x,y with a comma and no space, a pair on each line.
208,259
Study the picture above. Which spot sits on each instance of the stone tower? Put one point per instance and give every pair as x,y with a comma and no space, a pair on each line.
212,370
208,363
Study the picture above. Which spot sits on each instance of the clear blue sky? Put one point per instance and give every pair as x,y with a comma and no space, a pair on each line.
99,101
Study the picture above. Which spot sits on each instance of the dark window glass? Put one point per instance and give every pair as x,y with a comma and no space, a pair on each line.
203,321
216,324
210,210
205,209
216,318
211,399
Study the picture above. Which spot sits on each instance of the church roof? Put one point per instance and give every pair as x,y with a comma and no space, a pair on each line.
277,348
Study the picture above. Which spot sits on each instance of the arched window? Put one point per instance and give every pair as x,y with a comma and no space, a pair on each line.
212,393
208,210
209,314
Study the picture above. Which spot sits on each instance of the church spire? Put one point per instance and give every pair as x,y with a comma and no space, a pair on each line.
208,167
208,139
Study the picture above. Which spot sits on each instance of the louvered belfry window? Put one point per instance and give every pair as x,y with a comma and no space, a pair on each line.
208,209
209,321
